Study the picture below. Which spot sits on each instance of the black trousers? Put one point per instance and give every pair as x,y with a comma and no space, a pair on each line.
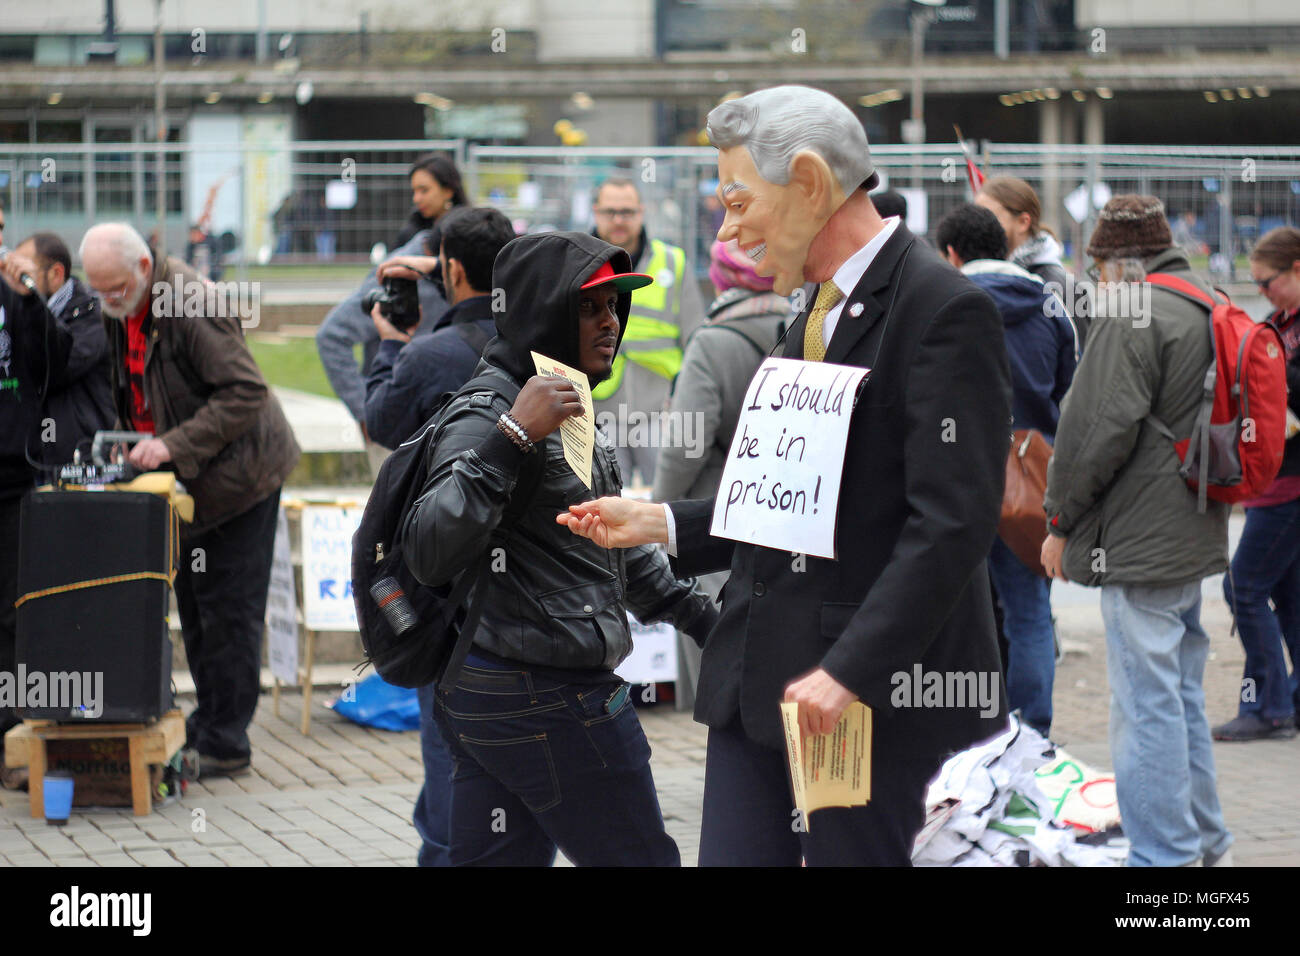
749,816
221,594
9,511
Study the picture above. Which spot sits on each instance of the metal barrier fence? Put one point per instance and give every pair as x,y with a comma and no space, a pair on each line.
268,201
314,202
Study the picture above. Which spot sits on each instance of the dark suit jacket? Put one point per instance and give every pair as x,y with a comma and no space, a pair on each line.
919,505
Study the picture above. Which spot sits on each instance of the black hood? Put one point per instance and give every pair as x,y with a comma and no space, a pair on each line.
540,277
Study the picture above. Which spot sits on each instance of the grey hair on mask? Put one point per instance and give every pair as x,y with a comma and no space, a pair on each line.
775,124
120,239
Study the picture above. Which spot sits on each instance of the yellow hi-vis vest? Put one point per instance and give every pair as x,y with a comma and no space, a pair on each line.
653,336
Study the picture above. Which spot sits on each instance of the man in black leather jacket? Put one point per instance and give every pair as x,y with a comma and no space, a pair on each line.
548,749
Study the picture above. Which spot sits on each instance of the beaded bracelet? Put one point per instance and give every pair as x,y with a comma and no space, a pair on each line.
515,432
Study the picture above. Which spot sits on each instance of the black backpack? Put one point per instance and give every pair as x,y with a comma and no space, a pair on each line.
410,631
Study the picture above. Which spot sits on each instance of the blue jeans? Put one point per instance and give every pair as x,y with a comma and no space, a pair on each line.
433,805
1159,735
1027,623
540,763
1267,565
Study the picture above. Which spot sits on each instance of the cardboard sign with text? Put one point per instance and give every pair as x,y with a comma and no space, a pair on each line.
282,608
781,484
327,532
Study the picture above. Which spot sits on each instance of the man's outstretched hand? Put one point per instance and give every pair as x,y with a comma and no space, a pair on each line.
617,522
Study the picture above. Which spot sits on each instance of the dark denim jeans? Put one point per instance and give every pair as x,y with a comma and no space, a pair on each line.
1027,622
541,763
433,804
1267,565
222,608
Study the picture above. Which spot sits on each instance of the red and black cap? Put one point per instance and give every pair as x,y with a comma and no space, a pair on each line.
623,281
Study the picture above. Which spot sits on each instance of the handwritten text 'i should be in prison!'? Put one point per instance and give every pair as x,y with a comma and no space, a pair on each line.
781,484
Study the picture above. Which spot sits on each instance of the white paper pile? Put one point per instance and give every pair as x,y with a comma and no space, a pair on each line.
1016,800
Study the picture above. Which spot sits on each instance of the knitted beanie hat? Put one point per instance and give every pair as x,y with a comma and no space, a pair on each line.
1130,227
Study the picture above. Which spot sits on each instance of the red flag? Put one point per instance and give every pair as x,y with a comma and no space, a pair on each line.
973,173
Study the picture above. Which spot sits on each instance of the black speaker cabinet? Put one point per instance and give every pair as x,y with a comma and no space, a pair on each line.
98,645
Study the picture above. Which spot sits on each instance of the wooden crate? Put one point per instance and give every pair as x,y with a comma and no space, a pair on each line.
152,743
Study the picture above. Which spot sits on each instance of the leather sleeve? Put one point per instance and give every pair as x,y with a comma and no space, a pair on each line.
472,470
654,594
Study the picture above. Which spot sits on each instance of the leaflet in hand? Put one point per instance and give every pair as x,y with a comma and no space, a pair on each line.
578,435
829,770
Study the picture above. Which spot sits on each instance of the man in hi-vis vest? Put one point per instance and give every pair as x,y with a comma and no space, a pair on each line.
663,316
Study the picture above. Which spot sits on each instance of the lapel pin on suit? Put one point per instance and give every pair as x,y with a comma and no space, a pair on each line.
855,309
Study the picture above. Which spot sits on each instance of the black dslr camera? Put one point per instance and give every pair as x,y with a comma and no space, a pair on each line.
398,301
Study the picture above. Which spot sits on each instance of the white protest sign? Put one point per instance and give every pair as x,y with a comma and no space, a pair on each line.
327,567
282,608
781,484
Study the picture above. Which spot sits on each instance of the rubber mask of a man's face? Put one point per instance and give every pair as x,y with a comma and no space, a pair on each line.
776,225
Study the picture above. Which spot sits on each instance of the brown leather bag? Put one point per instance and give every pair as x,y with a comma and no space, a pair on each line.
1023,524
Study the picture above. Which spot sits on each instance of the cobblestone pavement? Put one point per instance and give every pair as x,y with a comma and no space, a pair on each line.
343,795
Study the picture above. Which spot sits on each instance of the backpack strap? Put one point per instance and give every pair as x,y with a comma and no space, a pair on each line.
1183,288
473,336
526,488
1201,427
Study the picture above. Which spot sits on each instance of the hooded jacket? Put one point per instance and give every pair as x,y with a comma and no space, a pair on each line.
1113,487
1040,341
1041,256
558,600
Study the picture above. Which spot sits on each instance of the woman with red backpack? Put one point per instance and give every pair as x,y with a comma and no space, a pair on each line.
1267,562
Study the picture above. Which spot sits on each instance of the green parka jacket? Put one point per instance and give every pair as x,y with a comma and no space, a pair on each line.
1113,488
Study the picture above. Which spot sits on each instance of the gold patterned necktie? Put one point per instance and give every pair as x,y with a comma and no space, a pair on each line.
828,296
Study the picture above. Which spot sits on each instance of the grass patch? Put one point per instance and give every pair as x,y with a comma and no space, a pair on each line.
291,363
325,272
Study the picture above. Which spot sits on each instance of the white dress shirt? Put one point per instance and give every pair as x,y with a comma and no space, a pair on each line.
848,276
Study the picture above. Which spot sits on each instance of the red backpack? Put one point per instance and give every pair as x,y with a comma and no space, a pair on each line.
1236,446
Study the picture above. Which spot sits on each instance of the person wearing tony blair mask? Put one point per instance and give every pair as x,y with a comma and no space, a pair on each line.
917,516
34,349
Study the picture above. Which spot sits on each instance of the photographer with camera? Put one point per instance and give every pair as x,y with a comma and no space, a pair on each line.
349,324
408,377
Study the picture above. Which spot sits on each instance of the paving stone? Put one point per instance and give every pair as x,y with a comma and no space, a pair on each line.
344,796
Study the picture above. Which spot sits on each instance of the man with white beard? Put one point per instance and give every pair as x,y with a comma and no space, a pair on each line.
189,380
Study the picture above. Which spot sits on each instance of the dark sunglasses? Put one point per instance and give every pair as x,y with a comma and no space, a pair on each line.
1264,283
